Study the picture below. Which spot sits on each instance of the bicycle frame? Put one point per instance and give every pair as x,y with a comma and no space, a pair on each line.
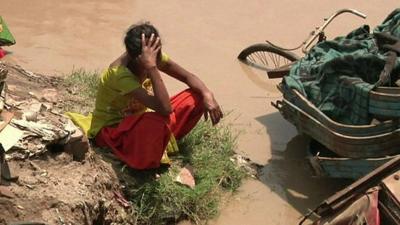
320,30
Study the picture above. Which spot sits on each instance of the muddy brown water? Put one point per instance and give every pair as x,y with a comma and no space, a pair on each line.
204,37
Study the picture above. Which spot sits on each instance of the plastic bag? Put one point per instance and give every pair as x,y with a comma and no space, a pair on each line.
6,38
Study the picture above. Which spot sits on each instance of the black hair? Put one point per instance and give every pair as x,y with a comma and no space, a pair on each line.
133,37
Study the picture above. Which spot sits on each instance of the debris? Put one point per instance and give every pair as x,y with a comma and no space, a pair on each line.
47,106
50,95
45,179
48,132
32,94
5,119
13,103
43,174
78,144
245,163
30,116
9,137
185,176
3,76
24,72
85,210
3,71
5,174
59,217
118,196
32,111
35,166
6,192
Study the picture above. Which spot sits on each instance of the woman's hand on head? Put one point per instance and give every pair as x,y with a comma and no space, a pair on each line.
150,49
212,109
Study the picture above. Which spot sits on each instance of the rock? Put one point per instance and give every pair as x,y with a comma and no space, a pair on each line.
77,147
6,192
186,177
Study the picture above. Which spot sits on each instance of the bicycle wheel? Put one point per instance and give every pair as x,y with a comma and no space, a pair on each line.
266,57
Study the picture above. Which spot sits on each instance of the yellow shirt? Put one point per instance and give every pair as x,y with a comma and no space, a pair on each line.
112,101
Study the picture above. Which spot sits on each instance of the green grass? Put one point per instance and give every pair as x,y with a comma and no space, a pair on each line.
81,89
208,150
155,196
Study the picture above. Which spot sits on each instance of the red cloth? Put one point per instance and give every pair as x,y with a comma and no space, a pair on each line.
140,140
2,53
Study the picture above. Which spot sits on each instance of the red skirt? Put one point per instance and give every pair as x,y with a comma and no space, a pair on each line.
140,140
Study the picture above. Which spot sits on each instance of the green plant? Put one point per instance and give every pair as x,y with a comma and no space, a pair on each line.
81,89
208,150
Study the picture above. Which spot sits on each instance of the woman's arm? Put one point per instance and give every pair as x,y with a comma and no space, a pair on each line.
212,108
160,102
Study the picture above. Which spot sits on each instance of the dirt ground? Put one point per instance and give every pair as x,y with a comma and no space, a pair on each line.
57,190
57,185
204,37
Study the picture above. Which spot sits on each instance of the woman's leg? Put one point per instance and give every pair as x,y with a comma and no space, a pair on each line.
187,110
139,140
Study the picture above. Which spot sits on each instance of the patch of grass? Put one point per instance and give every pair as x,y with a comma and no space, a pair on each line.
81,89
208,150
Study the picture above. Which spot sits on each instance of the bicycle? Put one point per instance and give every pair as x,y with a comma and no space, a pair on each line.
275,60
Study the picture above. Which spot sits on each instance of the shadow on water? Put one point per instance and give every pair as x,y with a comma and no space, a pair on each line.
288,173
259,77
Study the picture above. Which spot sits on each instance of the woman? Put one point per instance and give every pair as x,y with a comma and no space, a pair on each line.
132,87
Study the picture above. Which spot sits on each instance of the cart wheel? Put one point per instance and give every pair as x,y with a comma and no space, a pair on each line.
266,57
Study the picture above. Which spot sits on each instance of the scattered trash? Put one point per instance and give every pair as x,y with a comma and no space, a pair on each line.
186,177
245,163
9,137
44,128
48,132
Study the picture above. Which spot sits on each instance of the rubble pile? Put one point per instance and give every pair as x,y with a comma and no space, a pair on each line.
49,174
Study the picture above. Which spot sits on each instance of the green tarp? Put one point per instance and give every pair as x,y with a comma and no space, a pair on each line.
337,75
6,38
